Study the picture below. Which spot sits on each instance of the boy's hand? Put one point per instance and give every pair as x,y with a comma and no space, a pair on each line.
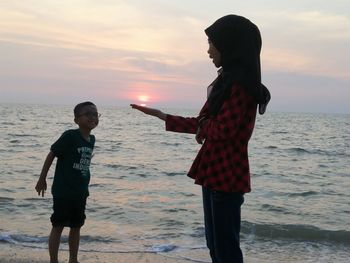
41,187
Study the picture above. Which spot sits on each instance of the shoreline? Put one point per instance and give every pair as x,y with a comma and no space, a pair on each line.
10,253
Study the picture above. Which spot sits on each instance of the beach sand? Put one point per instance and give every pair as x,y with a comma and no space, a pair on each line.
16,254
19,254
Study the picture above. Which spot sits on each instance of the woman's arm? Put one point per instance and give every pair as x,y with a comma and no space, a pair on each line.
172,122
225,124
150,111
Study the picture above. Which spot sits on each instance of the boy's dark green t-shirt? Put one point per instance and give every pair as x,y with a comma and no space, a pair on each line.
72,174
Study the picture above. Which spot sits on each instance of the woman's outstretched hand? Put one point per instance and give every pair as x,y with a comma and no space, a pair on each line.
150,111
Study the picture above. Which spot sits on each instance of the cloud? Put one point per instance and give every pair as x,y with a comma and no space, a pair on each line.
311,42
85,25
329,26
111,48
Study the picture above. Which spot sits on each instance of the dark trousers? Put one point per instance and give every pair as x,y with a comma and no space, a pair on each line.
222,218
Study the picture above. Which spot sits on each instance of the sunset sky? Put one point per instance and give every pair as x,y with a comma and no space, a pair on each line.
155,52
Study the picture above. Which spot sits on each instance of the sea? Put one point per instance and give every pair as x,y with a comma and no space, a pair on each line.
141,199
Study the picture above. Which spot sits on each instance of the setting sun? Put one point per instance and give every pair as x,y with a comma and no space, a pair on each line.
143,98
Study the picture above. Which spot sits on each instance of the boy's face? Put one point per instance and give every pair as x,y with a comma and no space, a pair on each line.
88,117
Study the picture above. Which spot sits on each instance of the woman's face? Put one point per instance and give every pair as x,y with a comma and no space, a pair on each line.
214,54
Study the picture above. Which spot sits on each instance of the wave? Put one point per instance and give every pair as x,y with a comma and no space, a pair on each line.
171,143
303,194
41,242
162,248
271,147
21,239
299,150
6,199
121,167
301,233
280,132
171,174
7,123
28,240
250,231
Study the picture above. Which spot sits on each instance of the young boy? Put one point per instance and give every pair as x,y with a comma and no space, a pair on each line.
72,175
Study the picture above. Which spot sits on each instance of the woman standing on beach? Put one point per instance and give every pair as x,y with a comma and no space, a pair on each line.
224,127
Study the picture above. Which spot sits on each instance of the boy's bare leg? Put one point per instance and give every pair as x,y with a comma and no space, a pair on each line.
54,243
74,238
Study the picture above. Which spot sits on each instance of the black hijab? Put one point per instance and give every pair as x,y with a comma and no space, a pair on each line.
239,42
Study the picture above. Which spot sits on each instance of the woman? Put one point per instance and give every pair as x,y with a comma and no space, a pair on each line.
224,127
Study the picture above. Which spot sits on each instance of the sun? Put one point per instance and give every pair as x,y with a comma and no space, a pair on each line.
143,98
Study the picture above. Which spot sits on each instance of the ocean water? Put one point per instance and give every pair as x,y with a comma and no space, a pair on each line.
142,201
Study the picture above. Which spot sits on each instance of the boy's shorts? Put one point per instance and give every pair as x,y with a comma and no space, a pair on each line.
68,212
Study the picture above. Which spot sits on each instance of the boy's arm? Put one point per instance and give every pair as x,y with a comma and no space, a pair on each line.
41,185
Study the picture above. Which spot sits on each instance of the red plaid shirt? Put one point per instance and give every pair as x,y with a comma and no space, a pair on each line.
222,162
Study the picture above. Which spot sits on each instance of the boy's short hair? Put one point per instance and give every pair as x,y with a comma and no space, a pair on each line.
81,105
